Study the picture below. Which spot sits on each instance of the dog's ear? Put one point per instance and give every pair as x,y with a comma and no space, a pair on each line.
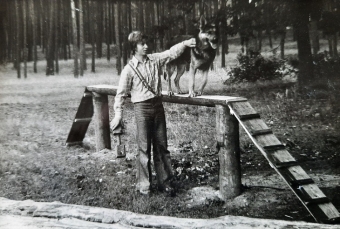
203,21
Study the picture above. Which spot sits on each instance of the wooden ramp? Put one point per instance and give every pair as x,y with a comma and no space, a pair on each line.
82,120
284,164
262,136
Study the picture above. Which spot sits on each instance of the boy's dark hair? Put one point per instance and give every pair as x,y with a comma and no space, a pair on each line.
134,38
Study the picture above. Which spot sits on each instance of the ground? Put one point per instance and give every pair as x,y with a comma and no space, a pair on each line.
35,163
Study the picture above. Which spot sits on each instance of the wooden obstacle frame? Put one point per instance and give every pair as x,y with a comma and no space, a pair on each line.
231,112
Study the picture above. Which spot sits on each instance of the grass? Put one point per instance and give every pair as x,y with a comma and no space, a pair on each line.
36,115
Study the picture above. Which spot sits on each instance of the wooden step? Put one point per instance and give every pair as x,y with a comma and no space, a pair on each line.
324,213
260,132
269,142
244,110
285,164
311,193
256,127
249,116
281,158
274,147
295,175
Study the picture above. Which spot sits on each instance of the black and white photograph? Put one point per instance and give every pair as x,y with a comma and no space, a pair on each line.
169,114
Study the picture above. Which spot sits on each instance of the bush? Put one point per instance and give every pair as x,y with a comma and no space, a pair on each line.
326,67
259,68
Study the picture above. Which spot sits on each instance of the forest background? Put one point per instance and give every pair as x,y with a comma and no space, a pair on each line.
55,26
37,111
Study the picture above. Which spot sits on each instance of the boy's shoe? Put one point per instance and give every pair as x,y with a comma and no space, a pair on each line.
143,192
168,187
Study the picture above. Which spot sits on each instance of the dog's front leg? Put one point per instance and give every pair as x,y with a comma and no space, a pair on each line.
170,92
167,76
192,72
204,82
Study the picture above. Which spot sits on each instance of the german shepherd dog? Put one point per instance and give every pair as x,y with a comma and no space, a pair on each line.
199,58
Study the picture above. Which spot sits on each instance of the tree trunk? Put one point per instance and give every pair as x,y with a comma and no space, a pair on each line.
25,37
99,28
92,25
66,19
117,28
113,35
107,30
51,37
141,15
75,45
44,24
303,44
270,39
18,38
259,38
57,32
129,15
282,45
222,33
34,31
9,33
125,32
335,45
81,38
315,36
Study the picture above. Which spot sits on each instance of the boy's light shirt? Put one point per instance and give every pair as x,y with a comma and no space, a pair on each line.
129,82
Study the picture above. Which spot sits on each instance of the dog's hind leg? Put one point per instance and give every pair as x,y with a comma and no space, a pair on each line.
204,82
169,71
192,72
180,72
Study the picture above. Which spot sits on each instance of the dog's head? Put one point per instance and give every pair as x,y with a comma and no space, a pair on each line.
208,32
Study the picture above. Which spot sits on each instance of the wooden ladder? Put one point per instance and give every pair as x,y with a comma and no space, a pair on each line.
82,120
284,163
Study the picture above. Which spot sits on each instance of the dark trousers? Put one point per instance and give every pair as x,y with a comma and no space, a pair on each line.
151,131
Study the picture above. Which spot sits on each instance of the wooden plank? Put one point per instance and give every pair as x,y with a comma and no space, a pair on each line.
295,175
256,127
249,116
282,158
85,108
268,140
261,132
82,119
244,110
324,213
255,124
203,100
77,132
311,193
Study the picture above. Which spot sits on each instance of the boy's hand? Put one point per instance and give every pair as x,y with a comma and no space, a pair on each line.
190,43
116,122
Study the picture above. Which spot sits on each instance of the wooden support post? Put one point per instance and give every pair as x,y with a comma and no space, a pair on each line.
102,123
229,153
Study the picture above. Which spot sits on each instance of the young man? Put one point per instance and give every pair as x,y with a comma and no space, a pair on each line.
141,77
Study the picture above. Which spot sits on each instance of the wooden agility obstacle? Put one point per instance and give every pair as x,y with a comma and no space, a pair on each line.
231,112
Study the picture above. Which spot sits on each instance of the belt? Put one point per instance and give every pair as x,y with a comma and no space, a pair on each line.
153,100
